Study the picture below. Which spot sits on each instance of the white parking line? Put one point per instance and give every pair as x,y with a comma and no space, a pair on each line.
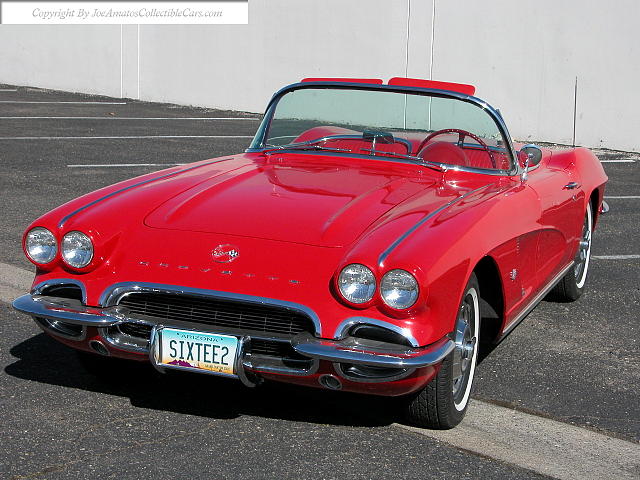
14,281
540,444
621,197
101,165
618,161
126,137
8,90
74,103
615,257
130,118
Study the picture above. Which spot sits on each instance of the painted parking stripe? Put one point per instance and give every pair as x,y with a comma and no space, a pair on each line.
126,137
621,197
618,161
14,281
102,165
8,90
130,118
545,446
615,257
56,102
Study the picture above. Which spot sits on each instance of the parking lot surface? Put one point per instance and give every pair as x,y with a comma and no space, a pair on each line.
575,364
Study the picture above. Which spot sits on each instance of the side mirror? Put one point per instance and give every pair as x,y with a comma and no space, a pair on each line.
529,156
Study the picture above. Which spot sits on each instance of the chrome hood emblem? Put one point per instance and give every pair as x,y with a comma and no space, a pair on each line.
225,253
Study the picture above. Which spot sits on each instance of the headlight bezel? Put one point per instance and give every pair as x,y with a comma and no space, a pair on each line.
86,261
372,287
56,249
409,278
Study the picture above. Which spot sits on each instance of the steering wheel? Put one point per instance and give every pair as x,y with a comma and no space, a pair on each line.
461,134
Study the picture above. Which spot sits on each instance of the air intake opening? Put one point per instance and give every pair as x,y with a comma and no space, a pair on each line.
379,334
64,329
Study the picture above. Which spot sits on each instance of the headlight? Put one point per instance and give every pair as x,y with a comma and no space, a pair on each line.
357,283
77,249
399,289
41,245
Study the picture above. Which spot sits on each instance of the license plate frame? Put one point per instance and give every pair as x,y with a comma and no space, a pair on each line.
184,356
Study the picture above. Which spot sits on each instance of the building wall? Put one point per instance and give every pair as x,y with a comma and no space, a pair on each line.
523,56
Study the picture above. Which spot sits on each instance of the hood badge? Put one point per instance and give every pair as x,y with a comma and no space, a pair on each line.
225,253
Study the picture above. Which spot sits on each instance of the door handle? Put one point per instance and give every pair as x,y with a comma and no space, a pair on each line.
571,185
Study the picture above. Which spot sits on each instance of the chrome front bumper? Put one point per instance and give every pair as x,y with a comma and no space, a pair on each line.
70,311
349,350
374,354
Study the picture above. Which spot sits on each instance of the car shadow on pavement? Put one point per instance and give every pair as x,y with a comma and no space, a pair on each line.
41,359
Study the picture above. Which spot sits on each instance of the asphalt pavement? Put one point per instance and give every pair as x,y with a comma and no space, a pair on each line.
575,364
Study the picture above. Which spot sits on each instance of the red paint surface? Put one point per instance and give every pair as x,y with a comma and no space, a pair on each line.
417,82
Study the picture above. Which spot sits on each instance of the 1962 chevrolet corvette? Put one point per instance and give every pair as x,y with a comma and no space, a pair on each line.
371,236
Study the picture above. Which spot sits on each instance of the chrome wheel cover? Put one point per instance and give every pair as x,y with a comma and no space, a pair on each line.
584,250
466,348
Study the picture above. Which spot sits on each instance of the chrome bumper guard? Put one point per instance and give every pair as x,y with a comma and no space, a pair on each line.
70,311
370,353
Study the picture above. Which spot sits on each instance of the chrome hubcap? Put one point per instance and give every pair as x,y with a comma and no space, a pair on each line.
465,346
583,249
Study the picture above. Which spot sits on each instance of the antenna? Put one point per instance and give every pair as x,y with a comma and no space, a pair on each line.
575,108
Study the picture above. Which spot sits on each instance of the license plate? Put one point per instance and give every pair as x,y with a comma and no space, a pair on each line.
199,351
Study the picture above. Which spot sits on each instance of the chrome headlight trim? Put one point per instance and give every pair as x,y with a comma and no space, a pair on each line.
41,245
357,283
77,249
399,289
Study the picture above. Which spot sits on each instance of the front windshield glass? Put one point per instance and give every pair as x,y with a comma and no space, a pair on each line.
446,131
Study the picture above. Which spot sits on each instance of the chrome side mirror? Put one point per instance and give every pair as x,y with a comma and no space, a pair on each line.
529,156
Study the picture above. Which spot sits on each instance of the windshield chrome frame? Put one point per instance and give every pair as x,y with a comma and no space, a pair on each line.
258,142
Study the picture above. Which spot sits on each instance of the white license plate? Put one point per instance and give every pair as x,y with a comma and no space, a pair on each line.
199,351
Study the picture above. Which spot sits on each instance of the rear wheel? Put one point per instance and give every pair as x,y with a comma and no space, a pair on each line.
443,402
571,286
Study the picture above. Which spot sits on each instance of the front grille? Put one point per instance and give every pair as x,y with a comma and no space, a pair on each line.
137,330
218,312
275,349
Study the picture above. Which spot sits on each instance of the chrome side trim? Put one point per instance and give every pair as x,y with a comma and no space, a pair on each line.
531,305
42,286
112,295
144,182
68,311
343,352
343,329
383,256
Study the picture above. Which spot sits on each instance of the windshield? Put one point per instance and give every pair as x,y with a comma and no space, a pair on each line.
439,130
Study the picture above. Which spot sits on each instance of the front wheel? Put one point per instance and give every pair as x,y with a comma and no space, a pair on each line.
571,286
443,402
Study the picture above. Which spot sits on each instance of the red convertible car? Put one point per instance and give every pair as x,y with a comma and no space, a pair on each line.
368,239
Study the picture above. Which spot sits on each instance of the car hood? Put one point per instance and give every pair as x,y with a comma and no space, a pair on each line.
303,199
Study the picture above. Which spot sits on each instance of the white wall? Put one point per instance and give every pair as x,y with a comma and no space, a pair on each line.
522,55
